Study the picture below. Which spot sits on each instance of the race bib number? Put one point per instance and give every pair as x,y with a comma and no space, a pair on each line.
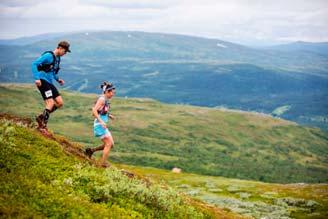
48,93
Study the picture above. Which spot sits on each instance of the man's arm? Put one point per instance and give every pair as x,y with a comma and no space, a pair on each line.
56,77
44,59
59,80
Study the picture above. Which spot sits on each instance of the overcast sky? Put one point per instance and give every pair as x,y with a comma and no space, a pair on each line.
251,22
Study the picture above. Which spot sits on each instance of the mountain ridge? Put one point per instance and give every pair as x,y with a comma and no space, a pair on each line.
171,69
320,48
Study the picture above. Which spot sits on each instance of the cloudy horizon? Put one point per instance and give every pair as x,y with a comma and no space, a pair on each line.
251,22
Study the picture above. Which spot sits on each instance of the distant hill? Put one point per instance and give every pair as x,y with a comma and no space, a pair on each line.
31,39
300,46
200,140
187,70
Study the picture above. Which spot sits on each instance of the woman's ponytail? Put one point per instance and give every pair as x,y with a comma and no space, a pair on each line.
104,85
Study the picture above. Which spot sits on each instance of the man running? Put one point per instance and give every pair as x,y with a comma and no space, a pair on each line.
45,69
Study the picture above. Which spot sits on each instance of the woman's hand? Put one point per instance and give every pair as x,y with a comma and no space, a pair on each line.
103,124
111,117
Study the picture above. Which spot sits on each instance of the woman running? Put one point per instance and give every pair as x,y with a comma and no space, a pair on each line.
101,113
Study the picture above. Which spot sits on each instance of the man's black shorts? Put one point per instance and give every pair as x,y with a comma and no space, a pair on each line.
48,90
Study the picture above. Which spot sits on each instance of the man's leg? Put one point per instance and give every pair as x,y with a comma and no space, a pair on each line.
50,103
42,119
51,106
58,103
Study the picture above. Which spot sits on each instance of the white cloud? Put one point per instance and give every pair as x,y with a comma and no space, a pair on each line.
238,20
136,4
19,3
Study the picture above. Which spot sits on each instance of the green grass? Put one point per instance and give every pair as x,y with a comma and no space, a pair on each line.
38,179
197,139
250,198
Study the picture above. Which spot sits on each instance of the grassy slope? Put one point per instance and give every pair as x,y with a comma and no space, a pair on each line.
51,178
41,178
249,198
200,140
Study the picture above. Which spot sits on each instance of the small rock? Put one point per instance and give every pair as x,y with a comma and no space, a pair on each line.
176,170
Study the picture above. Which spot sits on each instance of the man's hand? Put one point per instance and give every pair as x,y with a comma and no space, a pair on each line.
38,83
61,82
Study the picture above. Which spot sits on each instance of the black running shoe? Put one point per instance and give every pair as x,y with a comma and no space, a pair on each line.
40,121
88,152
105,165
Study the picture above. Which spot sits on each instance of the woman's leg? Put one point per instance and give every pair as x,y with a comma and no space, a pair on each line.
99,148
108,143
89,151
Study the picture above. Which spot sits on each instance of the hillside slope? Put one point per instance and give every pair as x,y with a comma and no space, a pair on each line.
249,198
50,177
42,178
200,140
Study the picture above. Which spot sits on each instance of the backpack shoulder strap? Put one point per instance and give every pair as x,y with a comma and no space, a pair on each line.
104,109
53,56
